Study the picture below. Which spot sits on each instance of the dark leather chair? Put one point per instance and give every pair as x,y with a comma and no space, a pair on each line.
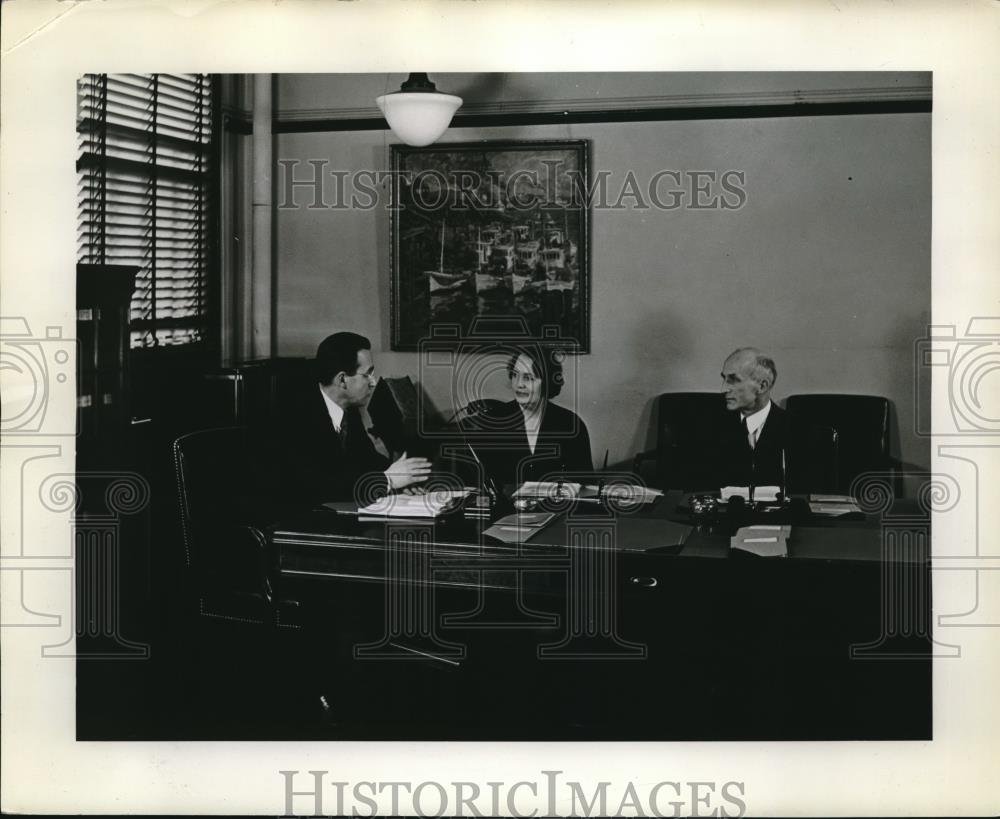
393,409
480,407
812,454
861,426
686,428
240,636
226,501
452,455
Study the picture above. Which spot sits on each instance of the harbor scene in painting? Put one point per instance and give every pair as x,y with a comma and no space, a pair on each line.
488,233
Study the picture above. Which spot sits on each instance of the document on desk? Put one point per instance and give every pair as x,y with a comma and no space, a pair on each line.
629,493
342,507
769,530
760,493
832,505
519,527
763,541
645,534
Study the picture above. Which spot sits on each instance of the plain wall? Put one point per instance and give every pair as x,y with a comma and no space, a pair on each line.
826,267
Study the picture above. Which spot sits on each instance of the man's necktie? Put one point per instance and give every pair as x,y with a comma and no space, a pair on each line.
749,437
358,442
353,435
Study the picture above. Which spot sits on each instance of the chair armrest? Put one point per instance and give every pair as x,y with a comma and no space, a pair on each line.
897,469
234,557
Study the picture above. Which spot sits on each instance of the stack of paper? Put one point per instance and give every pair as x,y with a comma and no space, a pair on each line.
760,493
832,505
428,505
631,493
621,492
548,489
764,541
519,527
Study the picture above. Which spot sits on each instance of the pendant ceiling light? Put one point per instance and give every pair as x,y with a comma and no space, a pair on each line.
418,114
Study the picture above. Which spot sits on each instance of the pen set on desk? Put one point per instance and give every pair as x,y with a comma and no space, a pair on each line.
604,470
499,503
562,490
780,494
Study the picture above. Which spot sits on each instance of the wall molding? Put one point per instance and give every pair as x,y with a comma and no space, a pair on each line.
867,97
815,109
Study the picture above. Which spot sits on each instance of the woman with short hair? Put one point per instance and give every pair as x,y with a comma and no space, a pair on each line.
531,438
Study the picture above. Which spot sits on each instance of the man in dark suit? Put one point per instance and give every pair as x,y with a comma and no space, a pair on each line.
753,441
325,439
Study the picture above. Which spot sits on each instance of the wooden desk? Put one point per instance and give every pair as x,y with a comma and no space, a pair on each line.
585,633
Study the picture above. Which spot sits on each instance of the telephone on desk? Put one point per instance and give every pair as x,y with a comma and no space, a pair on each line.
741,503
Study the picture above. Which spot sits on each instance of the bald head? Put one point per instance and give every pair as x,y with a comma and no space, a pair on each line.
748,377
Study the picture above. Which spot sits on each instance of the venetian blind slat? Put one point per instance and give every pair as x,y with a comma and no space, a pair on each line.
143,188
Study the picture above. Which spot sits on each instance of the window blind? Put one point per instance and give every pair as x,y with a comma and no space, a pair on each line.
144,174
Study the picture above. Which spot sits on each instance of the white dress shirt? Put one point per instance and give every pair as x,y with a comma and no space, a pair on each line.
334,410
755,421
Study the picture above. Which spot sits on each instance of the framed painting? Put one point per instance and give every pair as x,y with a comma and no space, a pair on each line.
491,231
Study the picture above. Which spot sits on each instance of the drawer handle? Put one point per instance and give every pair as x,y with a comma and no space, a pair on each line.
645,582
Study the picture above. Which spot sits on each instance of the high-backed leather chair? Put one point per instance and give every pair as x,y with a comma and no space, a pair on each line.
233,650
686,428
812,453
393,409
861,426
226,502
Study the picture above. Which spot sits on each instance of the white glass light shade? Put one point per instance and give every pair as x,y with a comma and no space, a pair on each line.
418,118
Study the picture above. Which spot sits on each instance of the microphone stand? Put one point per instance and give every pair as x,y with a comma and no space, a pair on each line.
499,501
601,499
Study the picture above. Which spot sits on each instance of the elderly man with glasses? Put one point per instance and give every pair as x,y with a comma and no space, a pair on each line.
752,445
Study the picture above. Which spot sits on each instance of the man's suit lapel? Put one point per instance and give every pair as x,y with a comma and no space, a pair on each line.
323,433
735,432
769,435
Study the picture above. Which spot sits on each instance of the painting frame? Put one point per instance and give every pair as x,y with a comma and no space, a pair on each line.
517,249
